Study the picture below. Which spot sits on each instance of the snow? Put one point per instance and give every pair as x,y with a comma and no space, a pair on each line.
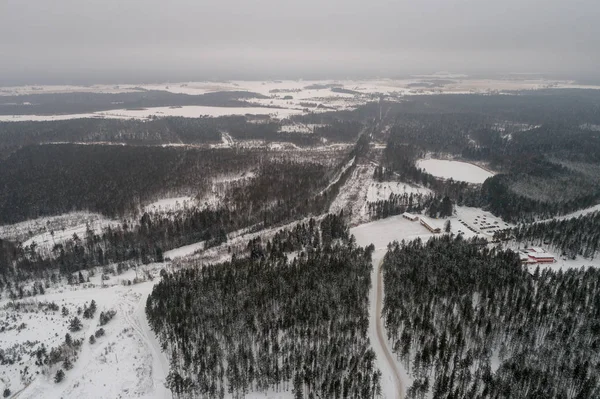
479,222
576,214
168,204
50,238
384,231
189,111
338,176
184,251
459,171
301,88
562,263
352,196
305,96
394,379
383,190
122,363
305,128
64,226
380,233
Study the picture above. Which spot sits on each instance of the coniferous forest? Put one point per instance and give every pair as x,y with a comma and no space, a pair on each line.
468,321
267,323
571,237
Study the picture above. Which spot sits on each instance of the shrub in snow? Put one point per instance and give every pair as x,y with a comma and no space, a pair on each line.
105,317
60,375
75,324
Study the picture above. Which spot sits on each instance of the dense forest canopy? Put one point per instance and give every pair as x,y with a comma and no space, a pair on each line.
264,322
468,321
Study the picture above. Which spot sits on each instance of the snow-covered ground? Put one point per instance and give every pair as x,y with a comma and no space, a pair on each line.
576,214
352,196
562,263
339,174
383,190
189,111
384,231
305,88
63,226
305,128
184,251
292,96
395,380
460,171
124,363
170,204
478,221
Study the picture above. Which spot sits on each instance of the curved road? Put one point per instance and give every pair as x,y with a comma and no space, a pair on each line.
381,336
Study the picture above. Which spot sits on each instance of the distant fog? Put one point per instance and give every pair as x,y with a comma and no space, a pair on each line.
75,41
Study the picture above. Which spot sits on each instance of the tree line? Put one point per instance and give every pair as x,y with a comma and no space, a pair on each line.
572,237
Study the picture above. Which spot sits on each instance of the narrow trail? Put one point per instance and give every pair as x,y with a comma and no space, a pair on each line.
160,364
381,337
134,314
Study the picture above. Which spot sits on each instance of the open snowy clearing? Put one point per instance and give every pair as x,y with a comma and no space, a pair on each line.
170,204
576,214
121,363
384,231
457,83
383,190
352,196
291,96
459,171
64,226
478,221
189,111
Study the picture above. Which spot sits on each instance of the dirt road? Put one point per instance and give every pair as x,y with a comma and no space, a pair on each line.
381,336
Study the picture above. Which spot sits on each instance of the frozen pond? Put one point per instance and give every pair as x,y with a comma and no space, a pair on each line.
460,171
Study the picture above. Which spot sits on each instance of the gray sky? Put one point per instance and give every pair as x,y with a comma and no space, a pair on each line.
71,40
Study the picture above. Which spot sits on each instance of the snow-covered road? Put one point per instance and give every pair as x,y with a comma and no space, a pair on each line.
391,378
160,363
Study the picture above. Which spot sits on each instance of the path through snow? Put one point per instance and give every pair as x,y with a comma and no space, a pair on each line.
392,386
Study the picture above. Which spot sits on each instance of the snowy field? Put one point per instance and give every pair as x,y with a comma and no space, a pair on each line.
47,231
124,362
170,204
291,96
384,231
189,111
383,190
459,171
479,222
456,84
352,196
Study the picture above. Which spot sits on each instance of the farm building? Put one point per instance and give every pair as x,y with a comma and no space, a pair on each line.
542,257
429,225
525,259
410,216
538,255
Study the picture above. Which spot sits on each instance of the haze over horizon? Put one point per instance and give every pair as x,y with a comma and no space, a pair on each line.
74,41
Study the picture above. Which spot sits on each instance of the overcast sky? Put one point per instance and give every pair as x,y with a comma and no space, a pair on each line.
70,40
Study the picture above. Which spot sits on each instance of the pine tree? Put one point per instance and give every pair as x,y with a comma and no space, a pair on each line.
60,375
75,324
